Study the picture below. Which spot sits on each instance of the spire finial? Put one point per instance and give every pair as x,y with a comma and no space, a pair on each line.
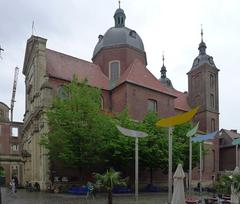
119,3
163,57
201,33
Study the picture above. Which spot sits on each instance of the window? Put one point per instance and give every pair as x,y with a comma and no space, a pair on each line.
114,70
14,132
1,114
62,93
152,105
212,101
14,147
211,81
213,125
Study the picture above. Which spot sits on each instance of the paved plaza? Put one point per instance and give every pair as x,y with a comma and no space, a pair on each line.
24,197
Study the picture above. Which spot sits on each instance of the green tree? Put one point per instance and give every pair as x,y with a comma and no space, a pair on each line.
108,181
77,126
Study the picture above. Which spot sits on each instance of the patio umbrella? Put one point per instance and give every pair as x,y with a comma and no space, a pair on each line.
178,187
234,194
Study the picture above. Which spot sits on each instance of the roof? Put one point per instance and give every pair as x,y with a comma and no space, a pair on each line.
137,73
181,102
116,36
232,134
63,66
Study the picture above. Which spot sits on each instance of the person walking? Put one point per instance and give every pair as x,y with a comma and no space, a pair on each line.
13,186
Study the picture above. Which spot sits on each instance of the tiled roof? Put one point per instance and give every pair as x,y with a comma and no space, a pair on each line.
181,102
232,134
137,73
63,66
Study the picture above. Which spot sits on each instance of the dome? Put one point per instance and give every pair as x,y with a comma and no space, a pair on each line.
119,35
166,82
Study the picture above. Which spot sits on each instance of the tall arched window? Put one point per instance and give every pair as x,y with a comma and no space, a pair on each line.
114,70
213,125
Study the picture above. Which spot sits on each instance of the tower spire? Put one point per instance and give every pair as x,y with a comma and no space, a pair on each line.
163,69
119,3
202,46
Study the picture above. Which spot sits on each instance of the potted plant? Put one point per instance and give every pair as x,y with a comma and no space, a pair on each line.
108,181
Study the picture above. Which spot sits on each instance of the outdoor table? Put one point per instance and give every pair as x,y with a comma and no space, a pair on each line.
211,200
192,201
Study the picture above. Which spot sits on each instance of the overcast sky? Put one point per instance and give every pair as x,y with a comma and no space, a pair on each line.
172,26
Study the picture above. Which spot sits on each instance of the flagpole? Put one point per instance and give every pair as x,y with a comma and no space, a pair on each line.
201,167
190,166
170,132
136,169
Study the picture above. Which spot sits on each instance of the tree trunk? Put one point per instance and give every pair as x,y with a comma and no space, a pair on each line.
151,175
109,197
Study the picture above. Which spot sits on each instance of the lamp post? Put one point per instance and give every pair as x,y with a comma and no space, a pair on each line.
136,134
170,122
236,142
201,139
191,133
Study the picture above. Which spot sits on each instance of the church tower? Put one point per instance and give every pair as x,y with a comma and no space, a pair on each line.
203,89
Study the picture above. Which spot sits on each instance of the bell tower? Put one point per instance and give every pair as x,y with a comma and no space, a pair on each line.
203,89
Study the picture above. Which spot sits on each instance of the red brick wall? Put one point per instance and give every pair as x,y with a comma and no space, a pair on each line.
228,158
124,54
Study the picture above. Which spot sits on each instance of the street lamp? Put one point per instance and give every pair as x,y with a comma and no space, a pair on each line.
170,122
201,139
191,133
136,134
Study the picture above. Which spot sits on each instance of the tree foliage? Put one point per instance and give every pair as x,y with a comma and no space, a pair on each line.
77,126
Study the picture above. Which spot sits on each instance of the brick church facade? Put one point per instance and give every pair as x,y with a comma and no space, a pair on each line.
119,69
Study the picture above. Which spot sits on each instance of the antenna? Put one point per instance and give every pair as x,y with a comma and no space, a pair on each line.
33,28
119,3
14,91
201,32
1,49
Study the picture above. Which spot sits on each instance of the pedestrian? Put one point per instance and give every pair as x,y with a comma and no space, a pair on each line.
13,186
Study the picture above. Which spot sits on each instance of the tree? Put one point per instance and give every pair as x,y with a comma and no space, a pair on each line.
77,126
108,181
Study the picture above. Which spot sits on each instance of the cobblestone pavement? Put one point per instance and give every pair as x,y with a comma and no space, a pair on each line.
23,197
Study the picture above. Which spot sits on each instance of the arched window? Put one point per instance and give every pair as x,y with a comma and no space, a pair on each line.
212,103
62,93
213,125
151,105
114,70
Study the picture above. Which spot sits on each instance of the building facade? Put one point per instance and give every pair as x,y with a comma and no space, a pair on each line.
11,162
119,69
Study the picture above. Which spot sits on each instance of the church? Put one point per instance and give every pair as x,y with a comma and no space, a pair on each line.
119,69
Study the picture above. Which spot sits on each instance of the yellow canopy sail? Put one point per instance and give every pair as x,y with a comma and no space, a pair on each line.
178,119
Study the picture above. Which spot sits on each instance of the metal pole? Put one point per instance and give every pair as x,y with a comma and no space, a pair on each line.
136,169
190,166
0,195
200,173
170,132
236,154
